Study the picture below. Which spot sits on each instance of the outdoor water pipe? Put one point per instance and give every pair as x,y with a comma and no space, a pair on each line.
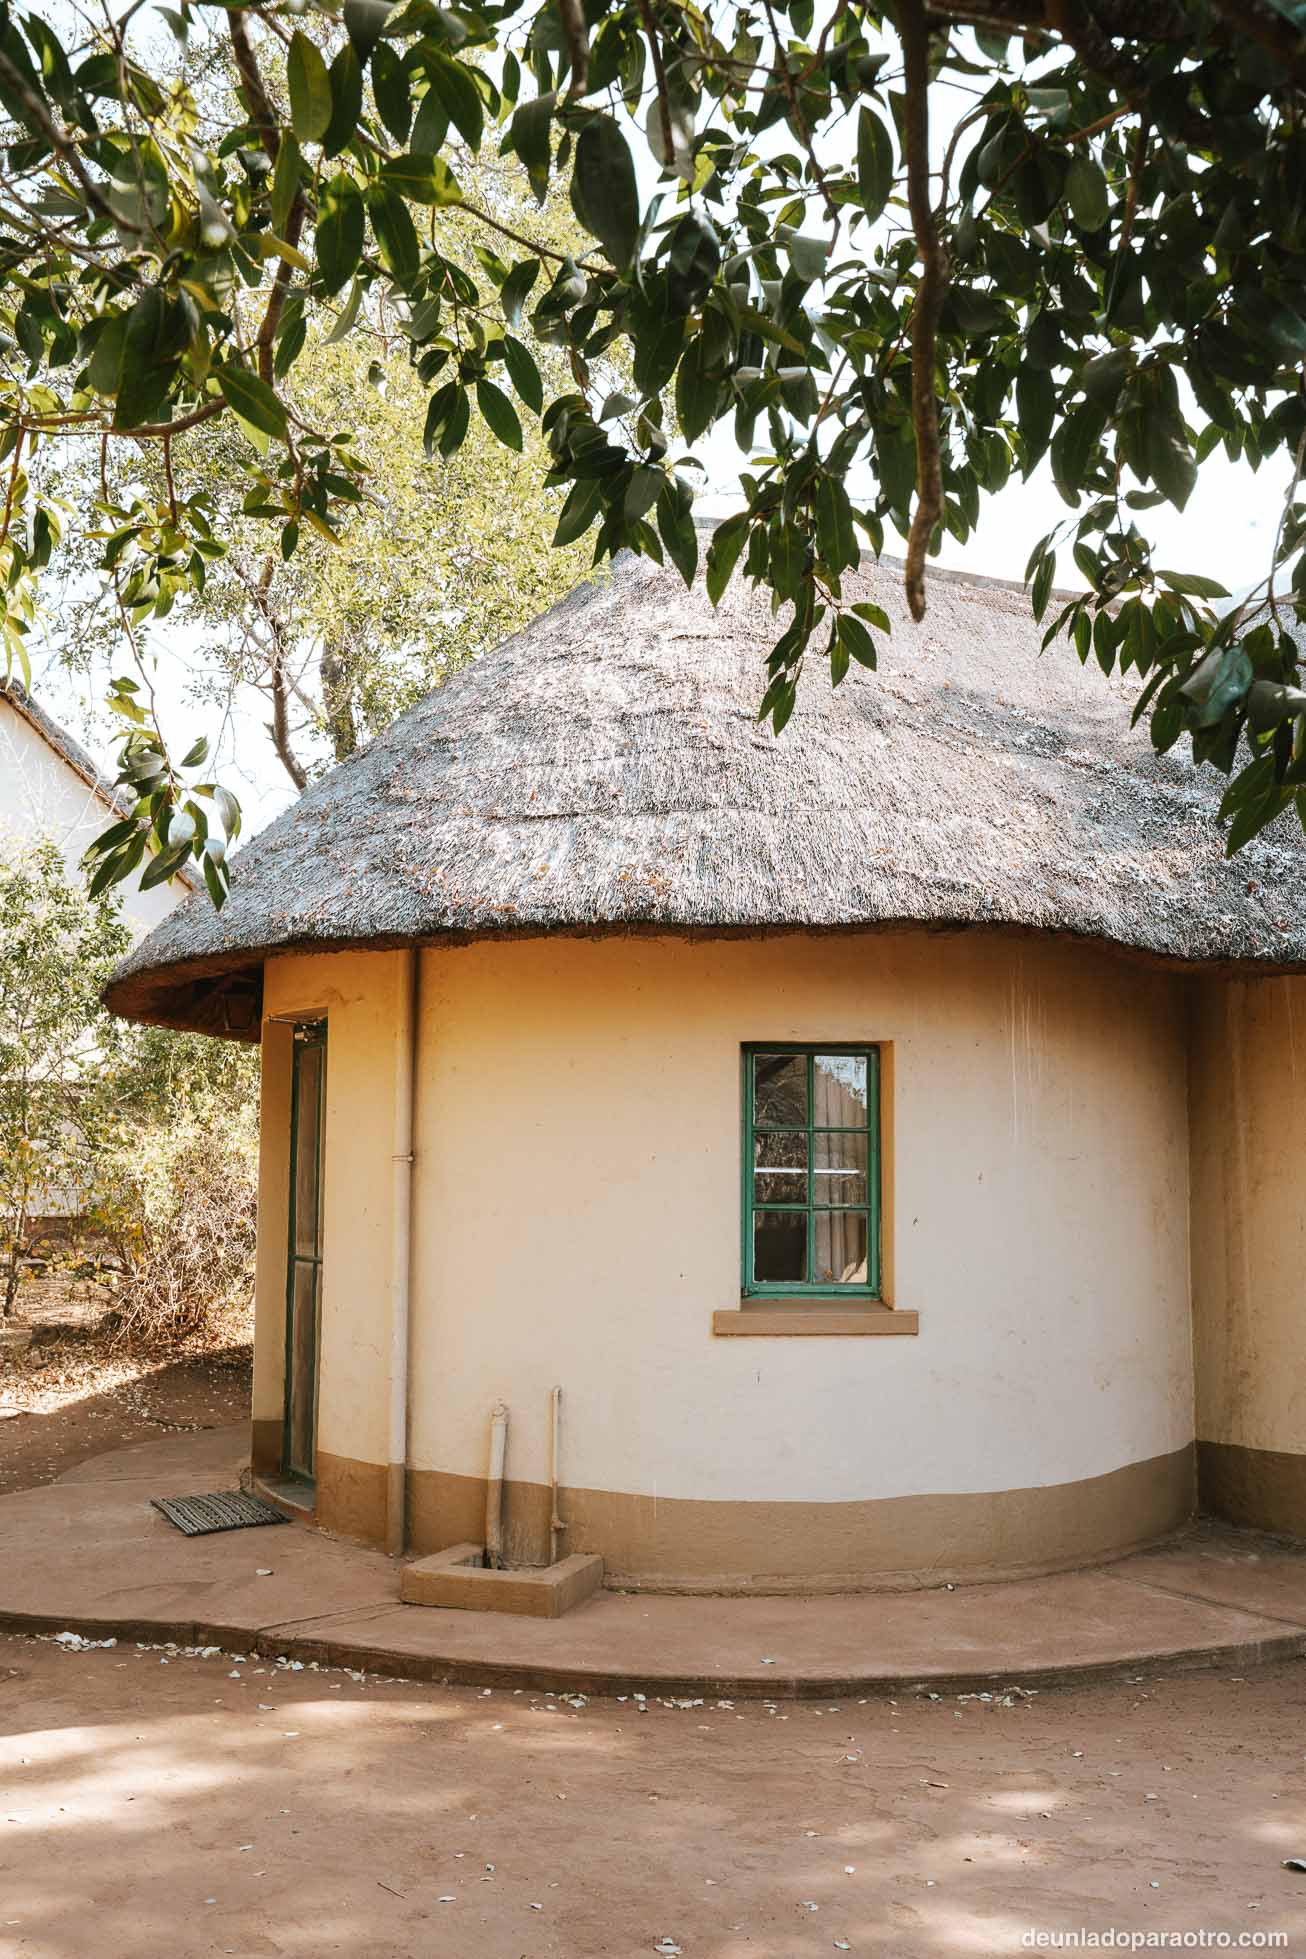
494,1487
405,1053
556,1525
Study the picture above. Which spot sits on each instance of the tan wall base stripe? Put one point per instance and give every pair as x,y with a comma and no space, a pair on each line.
1264,1489
264,1446
677,1544
351,1497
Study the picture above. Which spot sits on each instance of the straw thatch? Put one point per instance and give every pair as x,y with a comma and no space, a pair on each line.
605,770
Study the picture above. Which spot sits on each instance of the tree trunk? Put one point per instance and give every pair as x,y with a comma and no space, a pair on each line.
11,1267
280,729
338,701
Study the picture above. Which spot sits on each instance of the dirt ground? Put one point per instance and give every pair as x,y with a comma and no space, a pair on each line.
77,1393
155,1804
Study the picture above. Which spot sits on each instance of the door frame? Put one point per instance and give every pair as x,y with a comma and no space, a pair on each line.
306,1035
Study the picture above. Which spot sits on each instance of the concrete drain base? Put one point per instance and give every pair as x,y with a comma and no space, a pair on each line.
458,1577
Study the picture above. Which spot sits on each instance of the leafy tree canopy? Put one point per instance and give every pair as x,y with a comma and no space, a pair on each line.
57,948
1100,257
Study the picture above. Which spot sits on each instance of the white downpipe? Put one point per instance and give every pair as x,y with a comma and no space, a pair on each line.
494,1486
405,1053
556,1525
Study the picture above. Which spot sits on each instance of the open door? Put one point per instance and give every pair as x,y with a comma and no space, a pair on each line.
304,1273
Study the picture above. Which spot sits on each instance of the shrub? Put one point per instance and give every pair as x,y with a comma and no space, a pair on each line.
178,1186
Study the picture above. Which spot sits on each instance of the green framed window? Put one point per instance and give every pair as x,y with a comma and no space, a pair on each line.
811,1171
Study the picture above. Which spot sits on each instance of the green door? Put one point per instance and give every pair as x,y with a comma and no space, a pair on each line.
304,1274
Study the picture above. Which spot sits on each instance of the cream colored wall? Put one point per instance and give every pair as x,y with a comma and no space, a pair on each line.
356,994
577,1216
1249,1214
41,794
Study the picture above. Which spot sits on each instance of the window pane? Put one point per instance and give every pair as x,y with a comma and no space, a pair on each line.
840,1169
301,1387
840,1091
308,1062
779,1247
840,1248
780,1089
781,1176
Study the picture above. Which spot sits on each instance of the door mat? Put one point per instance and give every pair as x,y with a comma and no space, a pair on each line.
197,1516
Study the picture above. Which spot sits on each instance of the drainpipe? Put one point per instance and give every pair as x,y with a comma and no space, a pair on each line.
401,1240
494,1487
556,1525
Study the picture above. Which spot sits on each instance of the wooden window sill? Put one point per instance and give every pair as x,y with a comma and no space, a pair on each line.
799,1317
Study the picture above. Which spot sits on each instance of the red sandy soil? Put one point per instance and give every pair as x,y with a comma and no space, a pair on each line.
62,1403
153,1804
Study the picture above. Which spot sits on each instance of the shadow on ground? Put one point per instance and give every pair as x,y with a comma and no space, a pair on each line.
157,1805
199,1391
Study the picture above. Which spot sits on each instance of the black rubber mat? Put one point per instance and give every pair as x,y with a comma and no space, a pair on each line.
223,1510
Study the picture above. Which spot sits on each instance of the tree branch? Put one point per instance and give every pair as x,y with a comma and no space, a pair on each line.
261,113
930,295
572,15
660,80
39,118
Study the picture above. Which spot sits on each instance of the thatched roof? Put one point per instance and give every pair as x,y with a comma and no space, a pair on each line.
605,770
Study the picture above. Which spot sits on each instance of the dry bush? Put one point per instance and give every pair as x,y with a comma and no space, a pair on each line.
179,1211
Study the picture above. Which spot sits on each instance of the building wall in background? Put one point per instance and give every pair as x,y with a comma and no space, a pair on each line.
1249,1248
42,794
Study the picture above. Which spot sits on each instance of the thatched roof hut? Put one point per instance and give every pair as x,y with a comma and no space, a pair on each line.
605,770
600,1029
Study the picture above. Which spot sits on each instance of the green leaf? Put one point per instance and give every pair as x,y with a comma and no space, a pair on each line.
285,182
340,229
164,866
578,512
346,79
310,89
874,162
1170,460
834,525
692,263
422,178
532,141
1192,584
458,94
1072,449
603,190
728,540
1042,588
253,400
854,636
365,23
1086,192
524,373
676,529
513,292
499,413
807,256
396,239
1219,684
148,366
106,362
390,88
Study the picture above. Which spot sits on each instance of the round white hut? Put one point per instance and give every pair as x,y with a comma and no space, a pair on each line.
862,1129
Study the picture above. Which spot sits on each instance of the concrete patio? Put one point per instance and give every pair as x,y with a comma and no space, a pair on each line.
89,1554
